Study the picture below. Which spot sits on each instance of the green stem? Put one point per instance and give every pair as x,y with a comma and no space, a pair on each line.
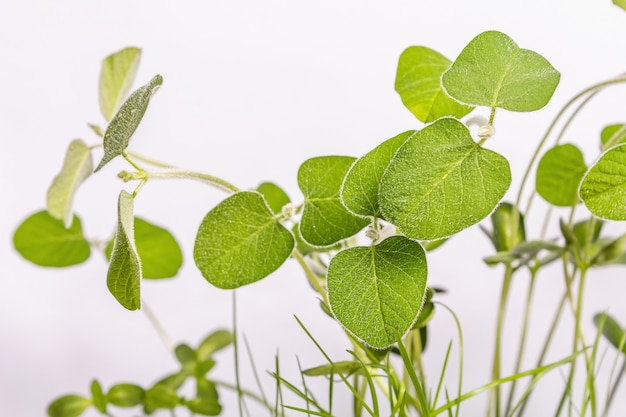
148,160
181,173
315,282
158,327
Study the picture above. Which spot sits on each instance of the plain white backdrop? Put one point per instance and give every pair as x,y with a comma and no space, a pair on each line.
252,89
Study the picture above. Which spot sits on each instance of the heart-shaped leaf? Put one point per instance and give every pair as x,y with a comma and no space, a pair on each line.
77,166
558,175
359,192
377,292
603,188
44,240
126,121
240,241
493,71
441,182
418,81
116,76
124,275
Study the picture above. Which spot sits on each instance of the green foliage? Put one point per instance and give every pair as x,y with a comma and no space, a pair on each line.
559,174
611,330
493,71
68,406
126,395
613,135
620,3
603,187
240,241
275,196
116,77
45,241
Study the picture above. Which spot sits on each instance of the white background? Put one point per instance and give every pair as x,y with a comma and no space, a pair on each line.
252,89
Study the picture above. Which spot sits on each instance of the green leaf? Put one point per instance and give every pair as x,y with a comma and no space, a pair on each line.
44,240
126,121
612,253
158,250
214,342
77,166
325,221
160,396
441,182
204,406
558,175
493,71
376,292
612,135
620,3
202,367
124,275
611,330
502,222
68,406
342,367
126,395
97,397
603,187
275,196
174,381
185,355
240,241
359,191
116,76
206,389
418,81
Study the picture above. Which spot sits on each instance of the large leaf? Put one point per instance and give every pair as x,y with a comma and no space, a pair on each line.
558,175
77,166
158,250
376,292
493,71
418,81
441,182
116,76
126,120
45,241
240,241
124,275
359,192
603,188
325,221
613,135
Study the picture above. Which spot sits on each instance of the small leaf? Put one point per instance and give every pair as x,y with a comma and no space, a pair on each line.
126,121
185,354
160,254
583,228
611,330
603,188
77,166
124,275
275,196
441,182
206,389
116,76
174,381
202,367
325,221
240,241
377,292
342,367
204,406
359,191
425,316
126,395
44,240
96,129
97,397
502,222
620,3
160,396
68,406
493,71
613,135
214,342
418,81
612,253
558,175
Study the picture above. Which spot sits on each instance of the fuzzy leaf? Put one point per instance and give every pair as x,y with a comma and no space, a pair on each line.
359,191
325,221
377,292
441,182
77,166
124,275
603,188
418,81
116,76
126,121
44,240
558,175
240,241
493,71
275,196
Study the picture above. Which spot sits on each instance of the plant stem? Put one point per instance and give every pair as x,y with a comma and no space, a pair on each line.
315,282
216,182
158,327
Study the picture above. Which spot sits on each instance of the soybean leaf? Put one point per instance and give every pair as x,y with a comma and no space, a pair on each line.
124,275
612,135
126,120
116,76
68,406
441,182
493,71
275,196
620,3
44,240
359,191
611,330
418,81
240,241
125,395
97,397
325,221
558,175
603,187
77,166
376,292
158,250
214,342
